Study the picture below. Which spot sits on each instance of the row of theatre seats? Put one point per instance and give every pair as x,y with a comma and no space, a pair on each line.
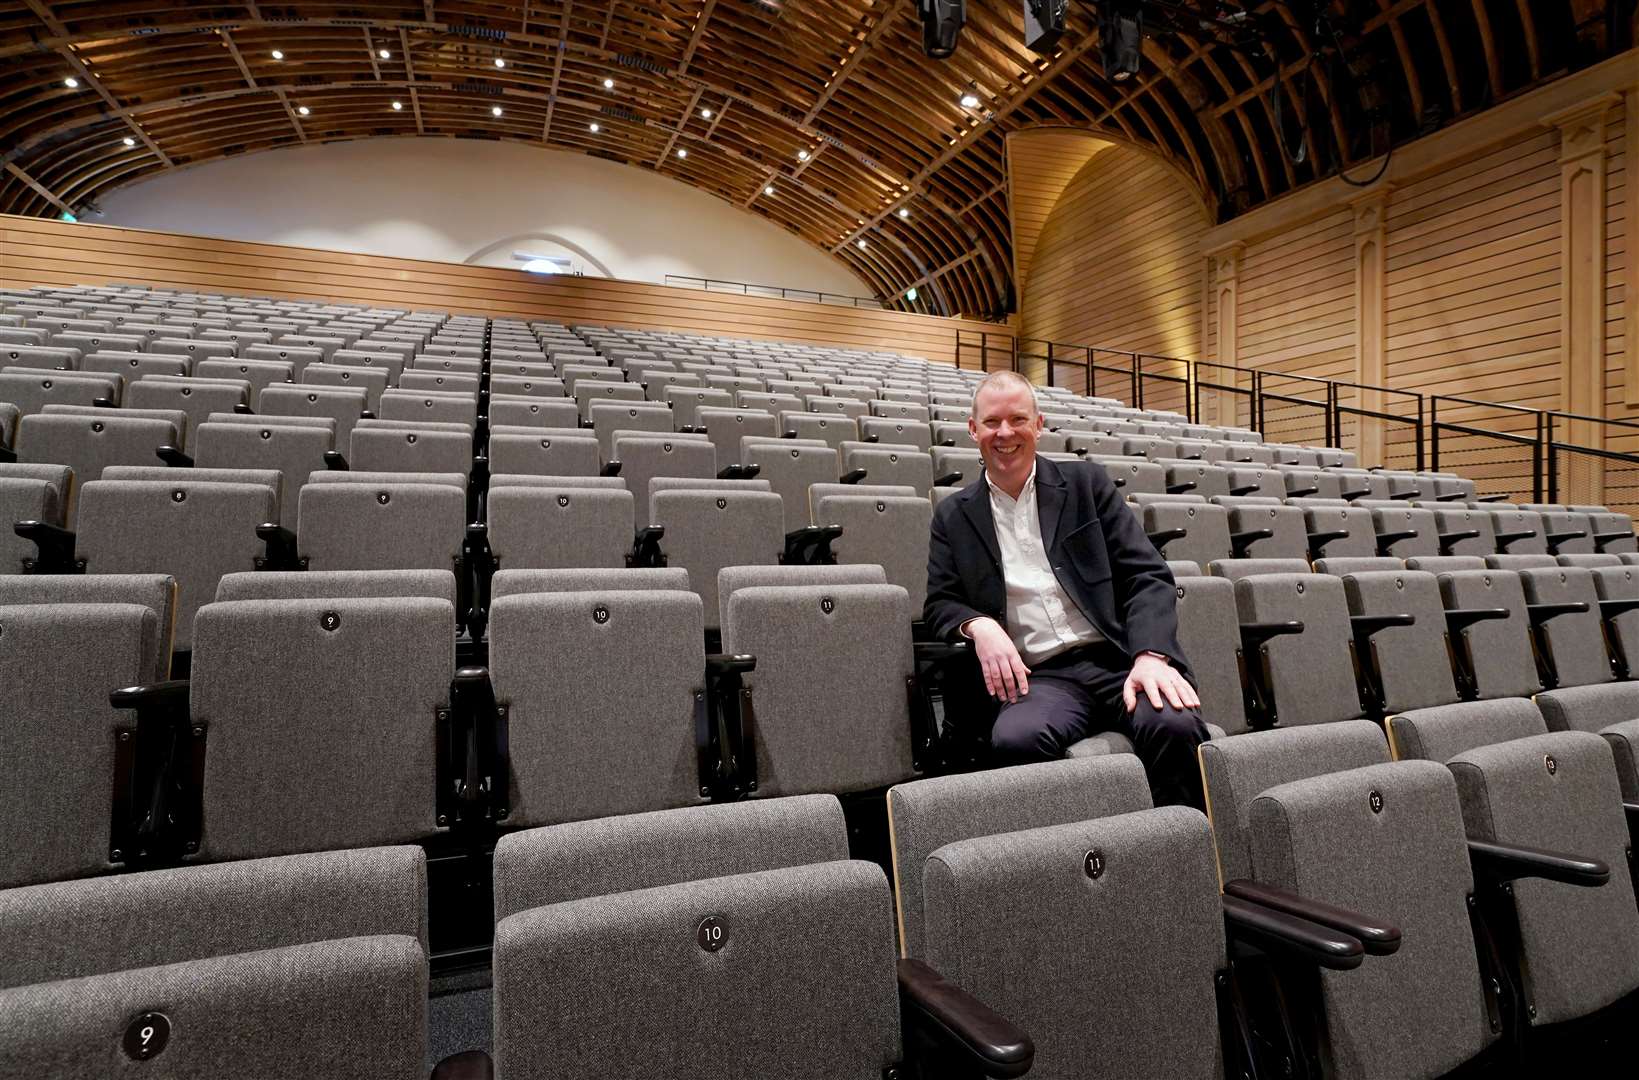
654,760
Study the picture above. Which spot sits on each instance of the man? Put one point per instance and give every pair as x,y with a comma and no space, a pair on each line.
1070,608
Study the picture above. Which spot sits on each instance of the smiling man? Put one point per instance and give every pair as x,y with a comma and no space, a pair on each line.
1070,608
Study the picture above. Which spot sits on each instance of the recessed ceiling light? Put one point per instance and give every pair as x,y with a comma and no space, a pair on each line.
71,82
682,153
608,84
970,100
860,243
385,54
398,106
593,127
302,110
500,62
904,211
496,111
130,141
706,113
769,190
802,155
278,54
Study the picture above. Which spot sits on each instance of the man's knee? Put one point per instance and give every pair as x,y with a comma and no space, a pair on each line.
1168,725
1022,742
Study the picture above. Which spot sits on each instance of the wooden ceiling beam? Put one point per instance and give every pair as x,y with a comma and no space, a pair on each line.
695,36
239,59
557,70
682,122
38,188
850,62
409,78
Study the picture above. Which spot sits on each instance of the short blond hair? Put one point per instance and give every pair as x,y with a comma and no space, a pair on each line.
1002,378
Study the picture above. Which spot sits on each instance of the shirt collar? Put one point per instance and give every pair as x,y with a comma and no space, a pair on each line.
1029,486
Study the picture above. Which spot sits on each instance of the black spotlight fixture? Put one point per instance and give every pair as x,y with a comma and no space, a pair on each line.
1120,30
941,25
1044,24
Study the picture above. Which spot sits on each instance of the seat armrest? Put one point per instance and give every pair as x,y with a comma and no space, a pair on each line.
54,548
961,1025
1164,537
152,697
950,479
1387,540
871,438
1300,493
281,551
335,461
1243,490
940,652
1254,635
738,472
1242,540
1375,936
1451,496
1499,864
1601,539
1408,496
610,468
1356,493
1273,931
1491,498
1118,481
467,1065
242,408
1319,540
811,545
1610,609
1506,538
852,476
1181,489
1459,619
725,726
174,457
720,664
1541,613
1366,625
1452,539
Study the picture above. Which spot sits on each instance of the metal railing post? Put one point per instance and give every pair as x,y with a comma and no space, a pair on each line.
1545,440
1050,363
1419,433
1257,400
1434,431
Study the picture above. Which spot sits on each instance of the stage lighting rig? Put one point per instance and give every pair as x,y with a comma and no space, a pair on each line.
1120,35
941,25
1044,22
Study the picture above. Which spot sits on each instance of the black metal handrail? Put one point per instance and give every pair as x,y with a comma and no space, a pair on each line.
746,288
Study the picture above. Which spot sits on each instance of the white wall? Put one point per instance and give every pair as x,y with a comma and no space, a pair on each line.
477,202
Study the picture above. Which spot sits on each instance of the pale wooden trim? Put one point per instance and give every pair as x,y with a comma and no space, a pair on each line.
1630,274
1370,317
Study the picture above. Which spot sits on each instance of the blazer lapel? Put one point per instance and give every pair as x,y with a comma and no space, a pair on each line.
1050,501
976,505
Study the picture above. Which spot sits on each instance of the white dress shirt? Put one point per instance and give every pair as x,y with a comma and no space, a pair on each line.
1041,619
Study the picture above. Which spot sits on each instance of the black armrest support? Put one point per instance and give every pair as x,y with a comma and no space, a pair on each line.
1164,537
281,548
474,757
1273,931
852,476
1375,936
54,547
871,438
1498,864
1118,481
960,1025
1386,540
811,545
1610,609
1452,539
725,724
1460,619
738,472
159,769
152,698
174,457
1254,635
1366,625
335,461
1242,540
646,553
949,479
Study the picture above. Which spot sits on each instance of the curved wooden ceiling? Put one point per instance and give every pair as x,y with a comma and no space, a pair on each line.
830,103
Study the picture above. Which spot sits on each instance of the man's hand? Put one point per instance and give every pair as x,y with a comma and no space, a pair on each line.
1006,677
1157,679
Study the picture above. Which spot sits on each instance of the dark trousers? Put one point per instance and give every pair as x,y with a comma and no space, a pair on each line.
1078,693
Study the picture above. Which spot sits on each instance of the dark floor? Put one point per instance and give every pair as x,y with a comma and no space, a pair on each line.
458,1015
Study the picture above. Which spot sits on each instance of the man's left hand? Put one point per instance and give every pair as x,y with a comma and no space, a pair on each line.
1158,679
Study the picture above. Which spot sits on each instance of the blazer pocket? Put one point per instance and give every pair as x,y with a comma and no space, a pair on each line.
1083,546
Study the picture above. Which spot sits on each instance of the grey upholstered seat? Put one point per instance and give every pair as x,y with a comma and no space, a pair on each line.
1194,477
886,531
601,689
424,404
546,527
59,662
833,430
709,528
1498,651
292,450
134,365
898,431
342,404
1262,528
792,467
725,427
1404,531
521,411
1325,521
890,464
399,525
24,499
830,686
1204,526
1236,569
196,397
1135,475
1571,645
1305,675
373,379
357,584
643,457
609,417
1410,663
588,938
321,716
332,945
547,452
89,443
1343,567
410,448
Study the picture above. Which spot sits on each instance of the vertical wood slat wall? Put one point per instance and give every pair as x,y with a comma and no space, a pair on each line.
36,251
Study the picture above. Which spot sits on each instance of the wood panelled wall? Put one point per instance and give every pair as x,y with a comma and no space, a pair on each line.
1489,260
34,251
1117,264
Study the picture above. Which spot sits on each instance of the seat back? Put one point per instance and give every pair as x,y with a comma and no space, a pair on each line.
1388,818
586,739
342,404
59,662
546,453
410,449
834,430
292,450
611,945
87,444
830,686
1308,681
381,525
1573,643
193,530
708,529
643,457
1205,526
790,470
321,718
889,464
1453,523
609,417
1413,662
890,532
926,815
1209,634
1137,476
374,379
1498,651
547,527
